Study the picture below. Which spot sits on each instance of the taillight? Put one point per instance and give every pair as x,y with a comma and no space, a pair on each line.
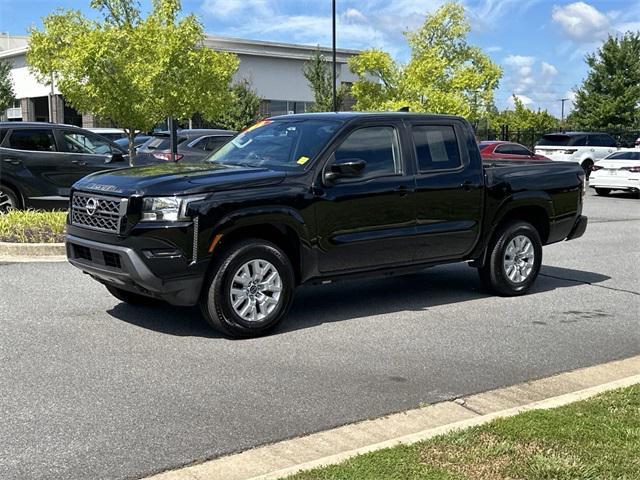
595,167
168,157
570,151
635,169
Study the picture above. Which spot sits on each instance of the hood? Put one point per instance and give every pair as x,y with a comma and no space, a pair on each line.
177,179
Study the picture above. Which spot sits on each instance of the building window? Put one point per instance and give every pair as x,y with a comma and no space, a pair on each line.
15,111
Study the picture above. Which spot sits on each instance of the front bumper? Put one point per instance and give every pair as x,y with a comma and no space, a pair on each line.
123,267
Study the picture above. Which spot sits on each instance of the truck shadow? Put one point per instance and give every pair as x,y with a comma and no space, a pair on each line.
315,305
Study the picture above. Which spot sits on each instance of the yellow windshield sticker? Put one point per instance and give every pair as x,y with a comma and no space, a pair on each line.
258,125
303,160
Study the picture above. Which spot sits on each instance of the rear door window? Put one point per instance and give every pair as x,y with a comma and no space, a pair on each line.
436,147
34,139
80,142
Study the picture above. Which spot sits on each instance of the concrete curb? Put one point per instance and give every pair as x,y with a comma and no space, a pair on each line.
26,250
285,458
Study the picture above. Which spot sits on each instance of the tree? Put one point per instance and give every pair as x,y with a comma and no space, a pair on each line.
444,74
244,109
320,78
131,70
610,95
523,118
7,94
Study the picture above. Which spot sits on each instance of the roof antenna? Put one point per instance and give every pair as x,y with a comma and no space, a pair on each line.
403,109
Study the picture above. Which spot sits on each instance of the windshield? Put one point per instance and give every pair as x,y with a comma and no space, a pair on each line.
277,144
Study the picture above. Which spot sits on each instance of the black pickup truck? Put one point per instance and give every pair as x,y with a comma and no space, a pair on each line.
315,198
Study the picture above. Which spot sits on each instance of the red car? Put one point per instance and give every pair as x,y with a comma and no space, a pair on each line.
498,150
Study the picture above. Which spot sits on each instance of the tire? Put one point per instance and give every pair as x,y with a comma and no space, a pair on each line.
587,165
603,191
8,200
131,298
495,275
256,307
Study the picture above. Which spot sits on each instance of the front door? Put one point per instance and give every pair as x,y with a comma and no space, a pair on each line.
365,222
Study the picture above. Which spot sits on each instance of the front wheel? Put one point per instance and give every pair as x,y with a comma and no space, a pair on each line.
513,259
8,200
603,191
249,289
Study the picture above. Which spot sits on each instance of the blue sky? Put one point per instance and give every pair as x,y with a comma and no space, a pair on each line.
540,44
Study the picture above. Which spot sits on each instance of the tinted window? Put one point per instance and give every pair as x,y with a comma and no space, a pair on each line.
214,143
579,141
40,140
3,132
624,156
513,149
555,140
377,146
80,142
436,147
601,140
160,143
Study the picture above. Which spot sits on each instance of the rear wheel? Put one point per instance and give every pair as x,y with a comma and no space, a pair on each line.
514,259
249,290
130,297
603,191
8,199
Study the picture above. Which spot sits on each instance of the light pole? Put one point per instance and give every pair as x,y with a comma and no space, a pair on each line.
562,110
335,79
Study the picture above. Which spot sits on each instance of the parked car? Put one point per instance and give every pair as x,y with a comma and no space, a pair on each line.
499,150
584,148
618,171
110,133
137,141
40,161
193,144
314,198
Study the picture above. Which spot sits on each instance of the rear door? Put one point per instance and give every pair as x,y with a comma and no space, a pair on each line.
448,192
367,221
30,158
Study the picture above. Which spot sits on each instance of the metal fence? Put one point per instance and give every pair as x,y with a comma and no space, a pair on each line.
529,137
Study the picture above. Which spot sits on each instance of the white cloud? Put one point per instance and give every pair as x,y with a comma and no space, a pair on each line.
354,14
548,69
519,61
523,98
229,8
581,21
493,49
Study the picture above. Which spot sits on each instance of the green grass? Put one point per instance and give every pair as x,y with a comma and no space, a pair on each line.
32,226
595,439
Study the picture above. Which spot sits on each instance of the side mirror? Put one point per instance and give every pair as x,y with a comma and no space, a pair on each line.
347,168
114,157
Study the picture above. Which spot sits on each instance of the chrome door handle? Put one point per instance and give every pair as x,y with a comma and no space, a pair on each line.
79,162
12,161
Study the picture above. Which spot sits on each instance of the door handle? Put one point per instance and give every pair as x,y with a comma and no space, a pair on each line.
79,162
466,185
12,161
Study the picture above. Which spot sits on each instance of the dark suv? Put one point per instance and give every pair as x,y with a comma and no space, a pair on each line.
40,161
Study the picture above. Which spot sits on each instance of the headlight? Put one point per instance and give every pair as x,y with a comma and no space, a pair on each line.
167,209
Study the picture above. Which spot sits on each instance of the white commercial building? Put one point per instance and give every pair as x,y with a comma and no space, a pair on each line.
274,70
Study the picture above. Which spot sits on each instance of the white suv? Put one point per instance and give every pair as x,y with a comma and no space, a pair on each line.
580,147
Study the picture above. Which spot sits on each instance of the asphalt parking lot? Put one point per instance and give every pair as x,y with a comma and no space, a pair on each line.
92,388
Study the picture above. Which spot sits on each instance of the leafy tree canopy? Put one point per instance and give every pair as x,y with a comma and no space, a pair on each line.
610,95
524,118
6,86
131,70
244,109
444,74
318,73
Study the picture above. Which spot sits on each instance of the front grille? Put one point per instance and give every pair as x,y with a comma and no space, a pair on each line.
96,212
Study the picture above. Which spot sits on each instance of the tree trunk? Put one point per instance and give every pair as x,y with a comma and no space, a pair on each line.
131,135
